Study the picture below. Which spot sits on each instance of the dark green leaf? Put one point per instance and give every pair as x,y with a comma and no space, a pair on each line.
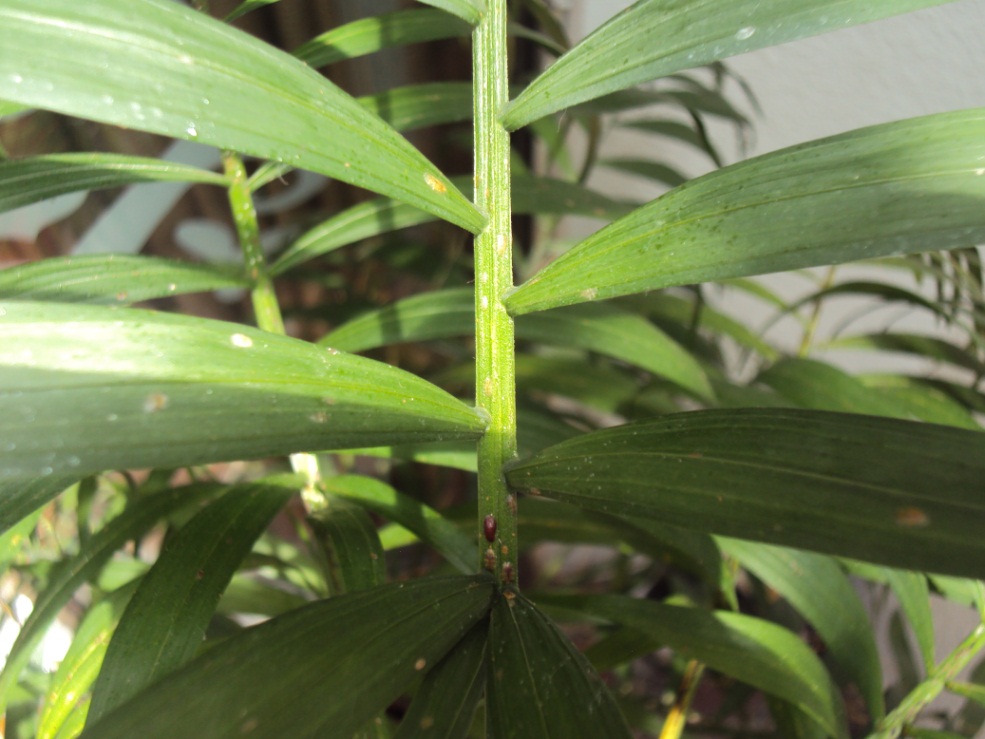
88,388
26,181
169,70
351,543
165,621
538,685
749,649
648,169
927,347
655,38
368,35
112,279
446,701
896,492
868,193
289,677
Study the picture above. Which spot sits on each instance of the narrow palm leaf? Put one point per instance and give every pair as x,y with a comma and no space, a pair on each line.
352,546
468,10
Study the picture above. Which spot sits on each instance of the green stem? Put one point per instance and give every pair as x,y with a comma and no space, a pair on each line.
917,699
494,365
264,298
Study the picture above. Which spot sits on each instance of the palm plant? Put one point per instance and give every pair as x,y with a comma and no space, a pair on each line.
602,411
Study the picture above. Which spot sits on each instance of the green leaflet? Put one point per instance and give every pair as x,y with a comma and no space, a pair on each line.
84,566
368,35
248,6
467,10
286,678
88,388
165,621
606,329
655,38
113,279
417,106
749,649
351,545
30,180
169,70
818,588
538,684
804,206
901,493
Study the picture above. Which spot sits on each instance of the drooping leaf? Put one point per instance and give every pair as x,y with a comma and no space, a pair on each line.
821,593
468,10
88,388
538,684
429,525
285,678
926,347
247,6
679,131
75,571
896,492
648,169
446,701
20,498
353,548
166,69
67,700
871,192
166,619
916,400
30,180
752,650
368,35
112,279
913,593
417,106
606,329
655,38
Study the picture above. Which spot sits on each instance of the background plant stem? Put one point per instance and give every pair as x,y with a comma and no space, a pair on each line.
265,306
494,382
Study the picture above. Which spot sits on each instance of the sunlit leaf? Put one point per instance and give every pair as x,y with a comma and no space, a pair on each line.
166,619
30,180
287,678
655,38
896,492
88,388
538,684
804,206
112,279
371,34
169,70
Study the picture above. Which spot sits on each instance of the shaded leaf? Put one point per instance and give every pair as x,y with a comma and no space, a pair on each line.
648,169
349,538
112,279
884,490
165,621
30,180
446,701
752,650
87,388
820,591
247,6
83,59
538,684
270,682
871,192
368,35
417,106
926,347
467,10
913,593
655,38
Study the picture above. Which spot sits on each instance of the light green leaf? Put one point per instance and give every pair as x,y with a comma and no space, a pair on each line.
819,590
30,180
896,492
655,38
165,621
247,6
927,347
468,10
871,192
67,700
350,542
87,388
112,279
446,701
175,72
606,329
20,497
921,401
417,106
913,593
752,650
368,35
84,566
428,524
270,681
538,684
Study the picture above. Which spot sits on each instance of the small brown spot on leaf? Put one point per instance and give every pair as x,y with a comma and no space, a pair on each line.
911,517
